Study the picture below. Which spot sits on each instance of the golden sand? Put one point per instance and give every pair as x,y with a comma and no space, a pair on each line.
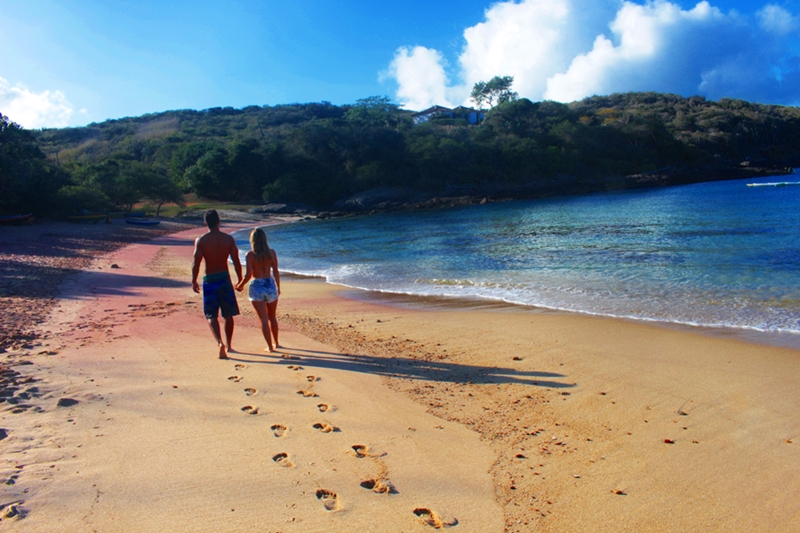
383,417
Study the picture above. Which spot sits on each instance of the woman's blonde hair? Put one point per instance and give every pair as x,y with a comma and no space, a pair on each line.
258,241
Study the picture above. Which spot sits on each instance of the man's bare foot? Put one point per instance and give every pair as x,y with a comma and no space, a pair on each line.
223,354
231,350
269,349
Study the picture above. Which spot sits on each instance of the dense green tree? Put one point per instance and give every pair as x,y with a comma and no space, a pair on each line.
375,111
247,168
79,199
18,160
208,176
114,179
493,92
185,157
373,157
27,182
160,189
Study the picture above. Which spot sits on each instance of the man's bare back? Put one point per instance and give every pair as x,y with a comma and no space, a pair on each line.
215,247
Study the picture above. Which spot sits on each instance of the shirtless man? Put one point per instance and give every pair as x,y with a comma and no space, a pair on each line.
215,247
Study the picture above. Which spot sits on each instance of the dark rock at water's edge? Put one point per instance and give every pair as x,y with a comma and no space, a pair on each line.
283,209
382,198
397,198
333,214
685,175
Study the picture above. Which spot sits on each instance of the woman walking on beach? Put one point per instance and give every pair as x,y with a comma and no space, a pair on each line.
266,287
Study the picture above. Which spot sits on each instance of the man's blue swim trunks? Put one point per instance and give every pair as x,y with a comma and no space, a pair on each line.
263,290
218,296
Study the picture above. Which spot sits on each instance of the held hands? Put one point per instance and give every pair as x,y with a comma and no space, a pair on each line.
239,286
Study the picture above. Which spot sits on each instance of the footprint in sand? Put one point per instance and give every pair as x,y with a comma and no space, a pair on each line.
430,518
379,486
235,379
283,460
329,499
250,410
324,407
239,366
307,393
249,391
294,367
279,430
12,510
312,379
324,427
360,450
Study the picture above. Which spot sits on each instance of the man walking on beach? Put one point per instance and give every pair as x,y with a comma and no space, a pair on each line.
215,247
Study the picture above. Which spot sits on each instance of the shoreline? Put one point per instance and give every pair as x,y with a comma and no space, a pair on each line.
569,423
426,302
688,294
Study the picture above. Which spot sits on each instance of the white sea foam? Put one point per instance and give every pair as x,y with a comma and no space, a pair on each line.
713,255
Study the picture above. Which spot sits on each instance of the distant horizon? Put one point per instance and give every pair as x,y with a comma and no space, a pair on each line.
76,62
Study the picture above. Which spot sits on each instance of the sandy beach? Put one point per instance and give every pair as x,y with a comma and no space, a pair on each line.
377,415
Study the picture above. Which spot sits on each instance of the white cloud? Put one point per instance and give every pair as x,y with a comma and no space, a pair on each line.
775,19
525,40
569,49
585,74
659,48
421,77
32,110
529,40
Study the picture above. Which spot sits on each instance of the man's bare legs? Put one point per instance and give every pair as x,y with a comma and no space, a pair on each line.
229,333
272,309
214,325
223,348
261,311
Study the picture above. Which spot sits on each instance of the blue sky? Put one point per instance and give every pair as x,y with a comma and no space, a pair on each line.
72,62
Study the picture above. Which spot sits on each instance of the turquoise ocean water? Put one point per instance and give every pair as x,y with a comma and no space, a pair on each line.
719,254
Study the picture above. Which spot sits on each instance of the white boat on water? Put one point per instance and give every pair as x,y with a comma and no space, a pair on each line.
776,184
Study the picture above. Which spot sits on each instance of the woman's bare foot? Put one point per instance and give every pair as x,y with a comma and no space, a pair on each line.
223,354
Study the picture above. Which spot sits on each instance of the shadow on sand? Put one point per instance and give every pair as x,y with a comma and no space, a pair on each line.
401,367
33,281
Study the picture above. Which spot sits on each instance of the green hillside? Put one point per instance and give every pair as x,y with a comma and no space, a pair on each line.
319,154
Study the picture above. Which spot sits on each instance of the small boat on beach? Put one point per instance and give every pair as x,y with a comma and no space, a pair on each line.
95,218
16,220
143,221
776,184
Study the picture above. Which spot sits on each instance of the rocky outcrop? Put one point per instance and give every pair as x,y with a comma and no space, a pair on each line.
382,198
400,198
685,175
283,209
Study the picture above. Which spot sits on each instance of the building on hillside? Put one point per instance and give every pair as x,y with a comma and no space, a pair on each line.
436,111
471,116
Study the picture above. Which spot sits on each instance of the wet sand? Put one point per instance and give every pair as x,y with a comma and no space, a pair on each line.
377,417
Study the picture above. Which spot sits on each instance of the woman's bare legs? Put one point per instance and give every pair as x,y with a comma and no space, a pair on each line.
261,310
272,309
